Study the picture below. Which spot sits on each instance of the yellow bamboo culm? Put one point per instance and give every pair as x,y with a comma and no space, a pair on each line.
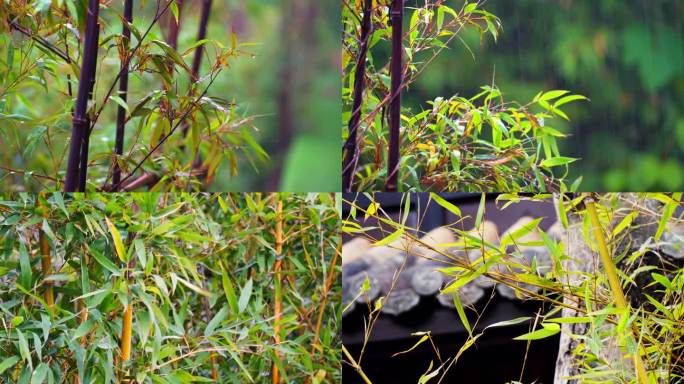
275,377
613,280
126,333
46,260
214,371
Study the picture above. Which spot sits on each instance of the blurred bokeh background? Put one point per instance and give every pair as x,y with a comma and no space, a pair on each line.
627,56
293,83
288,80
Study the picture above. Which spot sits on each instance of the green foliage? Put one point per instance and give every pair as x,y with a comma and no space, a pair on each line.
198,270
238,126
626,56
481,143
161,98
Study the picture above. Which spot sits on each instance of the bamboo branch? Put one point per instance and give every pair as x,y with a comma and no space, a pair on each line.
396,17
163,139
356,366
158,14
351,155
613,280
123,93
275,377
41,41
80,123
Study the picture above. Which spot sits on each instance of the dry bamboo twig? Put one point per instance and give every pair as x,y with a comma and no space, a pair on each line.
277,309
46,260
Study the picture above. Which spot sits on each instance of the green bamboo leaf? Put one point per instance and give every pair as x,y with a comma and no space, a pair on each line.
215,321
450,207
550,95
506,323
512,237
462,314
8,363
24,348
118,244
120,102
480,210
26,274
394,236
245,295
557,161
40,374
104,261
230,292
547,330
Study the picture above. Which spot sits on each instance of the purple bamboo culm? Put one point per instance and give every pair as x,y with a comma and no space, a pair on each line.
80,123
351,155
197,59
123,93
83,169
397,16
201,35
196,64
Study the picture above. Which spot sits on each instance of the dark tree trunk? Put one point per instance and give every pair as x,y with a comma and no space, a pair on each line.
80,123
351,154
123,93
397,16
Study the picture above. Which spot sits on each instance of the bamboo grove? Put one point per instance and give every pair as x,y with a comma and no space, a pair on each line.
168,132
169,288
478,143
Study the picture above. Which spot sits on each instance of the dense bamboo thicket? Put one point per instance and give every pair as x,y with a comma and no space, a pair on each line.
169,288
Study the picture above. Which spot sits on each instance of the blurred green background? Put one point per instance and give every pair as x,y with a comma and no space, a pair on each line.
627,56
293,83
289,81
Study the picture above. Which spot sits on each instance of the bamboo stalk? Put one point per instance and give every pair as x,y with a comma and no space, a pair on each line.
126,333
201,35
355,365
127,321
196,64
83,169
613,280
123,93
397,18
326,289
46,260
174,27
277,309
80,125
351,156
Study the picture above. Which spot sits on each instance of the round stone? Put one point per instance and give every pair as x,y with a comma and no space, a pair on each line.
427,280
399,301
